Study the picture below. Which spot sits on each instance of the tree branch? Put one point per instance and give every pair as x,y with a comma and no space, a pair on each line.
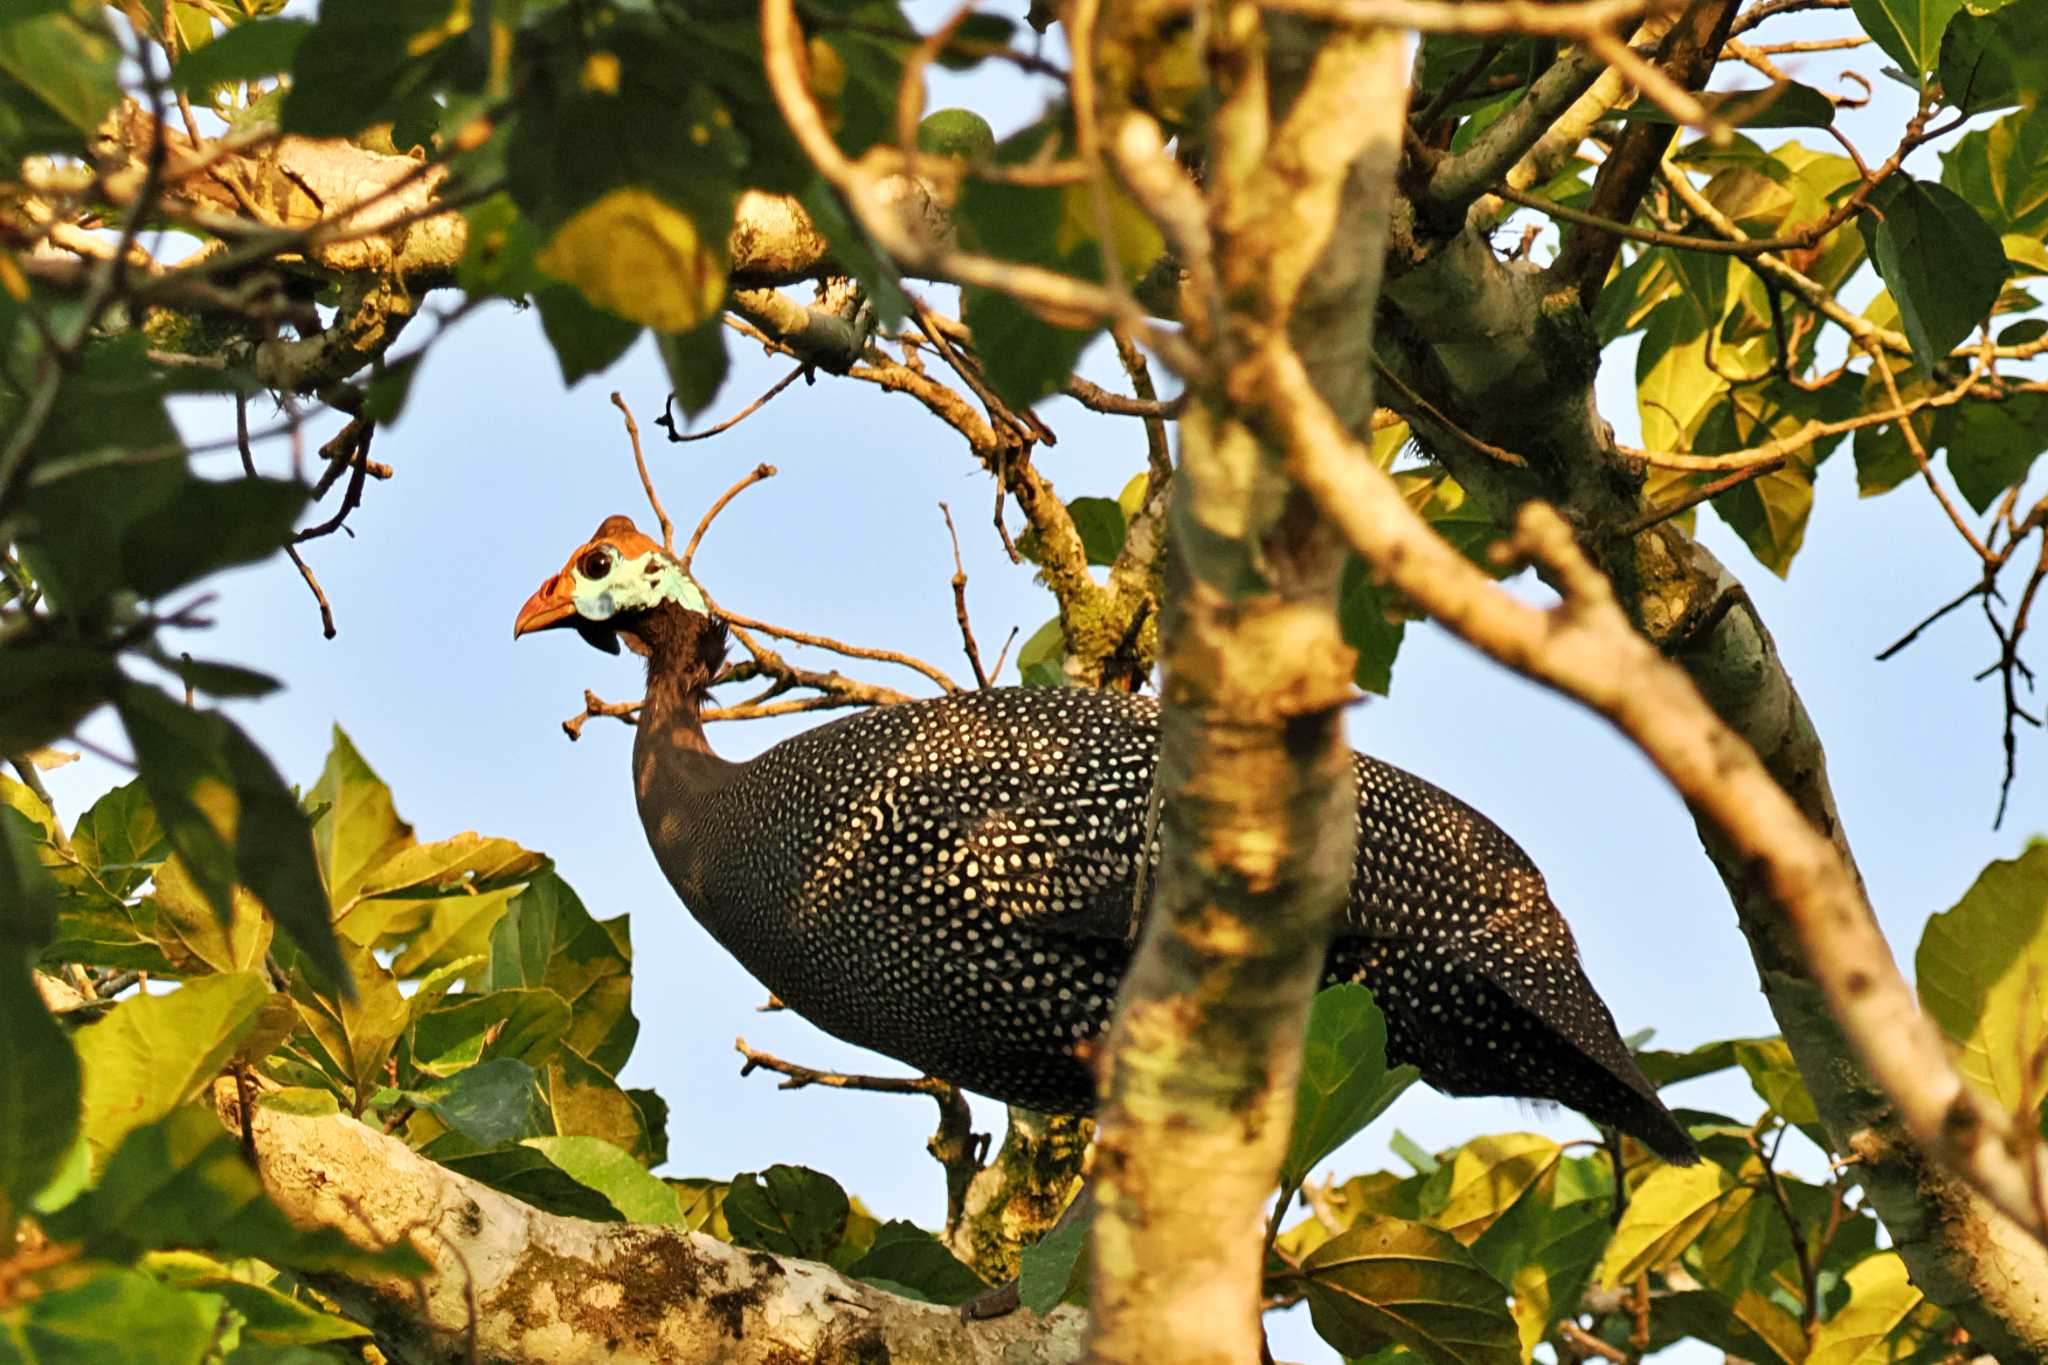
510,1285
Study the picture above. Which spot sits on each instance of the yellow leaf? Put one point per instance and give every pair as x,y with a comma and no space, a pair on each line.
1666,1212
638,257
1881,1303
1488,1175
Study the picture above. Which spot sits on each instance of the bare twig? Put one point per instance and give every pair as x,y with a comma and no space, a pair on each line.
668,530
667,422
795,1077
960,603
758,473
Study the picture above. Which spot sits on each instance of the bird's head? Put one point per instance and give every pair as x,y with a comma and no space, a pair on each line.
622,585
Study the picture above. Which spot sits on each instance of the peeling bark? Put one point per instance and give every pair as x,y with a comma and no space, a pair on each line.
511,1285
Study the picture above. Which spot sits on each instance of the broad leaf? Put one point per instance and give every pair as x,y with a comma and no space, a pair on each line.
1943,264
548,939
151,1053
787,1210
246,52
1345,1083
1394,1282
1907,31
181,1181
1488,1176
1982,971
38,1089
640,258
230,817
905,1257
112,1317
492,1103
1664,1215
624,1182
1055,1266
1865,1332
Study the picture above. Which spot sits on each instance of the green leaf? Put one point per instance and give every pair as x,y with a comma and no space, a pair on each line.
1664,1215
1366,626
1881,1299
1041,660
66,59
1776,1079
206,525
246,52
47,690
1395,1282
1055,1267
624,1182
230,817
1790,106
522,1023
353,1034
1993,446
151,1053
497,256
1101,525
587,339
1995,59
956,132
696,364
38,1090
218,679
364,61
195,940
528,1176
358,828
1669,1068
2003,172
1908,31
548,939
1345,1082
1753,1327
1943,264
492,1103
1549,1277
1026,357
1982,968
181,1181
787,1210
906,1257
113,1317
269,1318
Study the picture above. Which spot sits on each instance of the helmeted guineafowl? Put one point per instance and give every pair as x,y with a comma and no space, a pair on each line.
950,882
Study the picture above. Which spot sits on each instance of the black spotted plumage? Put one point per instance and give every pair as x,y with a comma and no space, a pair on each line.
950,882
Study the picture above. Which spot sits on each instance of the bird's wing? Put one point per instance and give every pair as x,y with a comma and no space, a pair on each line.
983,816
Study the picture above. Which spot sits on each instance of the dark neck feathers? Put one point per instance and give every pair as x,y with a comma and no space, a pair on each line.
684,652
675,774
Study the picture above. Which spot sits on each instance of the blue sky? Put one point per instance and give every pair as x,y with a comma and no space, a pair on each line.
500,473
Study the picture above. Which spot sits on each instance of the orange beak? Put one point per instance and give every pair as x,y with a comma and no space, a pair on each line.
549,606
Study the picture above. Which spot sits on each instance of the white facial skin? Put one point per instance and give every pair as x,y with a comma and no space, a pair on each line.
608,583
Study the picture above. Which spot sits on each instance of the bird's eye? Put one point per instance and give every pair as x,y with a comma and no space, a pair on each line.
595,564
